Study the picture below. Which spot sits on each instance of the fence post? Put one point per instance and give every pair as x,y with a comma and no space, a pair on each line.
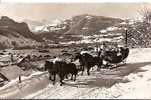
19,78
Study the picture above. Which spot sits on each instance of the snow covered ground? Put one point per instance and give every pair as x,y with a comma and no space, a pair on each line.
131,81
97,38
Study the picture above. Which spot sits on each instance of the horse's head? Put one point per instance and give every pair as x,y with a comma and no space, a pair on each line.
127,49
124,50
86,55
48,65
77,56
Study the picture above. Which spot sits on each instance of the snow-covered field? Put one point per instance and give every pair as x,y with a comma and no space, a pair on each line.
97,38
131,81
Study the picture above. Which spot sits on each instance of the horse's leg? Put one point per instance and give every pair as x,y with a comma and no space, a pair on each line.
108,65
66,76
54,78
88,70
62,75
50,76
104,66
82,70
61,80
75,77
98,67
72,77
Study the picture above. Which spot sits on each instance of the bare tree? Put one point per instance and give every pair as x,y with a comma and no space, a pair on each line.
146,13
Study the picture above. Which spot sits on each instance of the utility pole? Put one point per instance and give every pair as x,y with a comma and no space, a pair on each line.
126,37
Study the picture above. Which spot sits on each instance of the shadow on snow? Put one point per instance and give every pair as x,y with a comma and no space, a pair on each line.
110,77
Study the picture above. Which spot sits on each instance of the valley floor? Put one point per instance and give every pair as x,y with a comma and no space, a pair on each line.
131,81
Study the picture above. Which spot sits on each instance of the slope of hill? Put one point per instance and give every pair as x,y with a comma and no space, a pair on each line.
15,34
22,28
89,25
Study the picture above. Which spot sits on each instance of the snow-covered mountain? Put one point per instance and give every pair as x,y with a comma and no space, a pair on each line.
47,26
81,24
73,28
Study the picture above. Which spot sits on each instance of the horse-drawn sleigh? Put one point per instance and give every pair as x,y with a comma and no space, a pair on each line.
111,57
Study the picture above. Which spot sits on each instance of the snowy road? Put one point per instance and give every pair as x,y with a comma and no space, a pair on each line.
128,81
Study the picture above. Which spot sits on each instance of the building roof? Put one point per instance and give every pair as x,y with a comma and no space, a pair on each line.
11,72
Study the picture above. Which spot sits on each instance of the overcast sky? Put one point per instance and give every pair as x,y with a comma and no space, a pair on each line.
50,11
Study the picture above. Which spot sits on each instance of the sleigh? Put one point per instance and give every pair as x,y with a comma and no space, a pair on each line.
115,58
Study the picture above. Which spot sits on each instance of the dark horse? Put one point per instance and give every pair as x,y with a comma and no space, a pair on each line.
88,61
62,69
115,57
